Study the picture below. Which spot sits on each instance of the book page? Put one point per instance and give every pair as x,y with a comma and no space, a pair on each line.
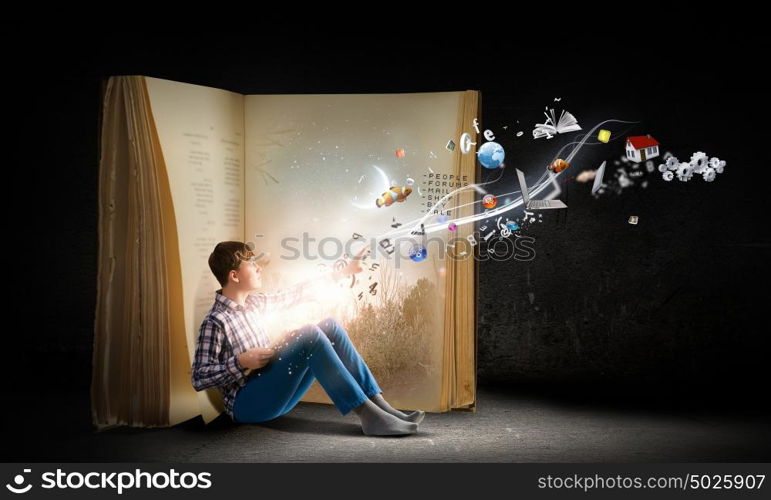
316,166
201,135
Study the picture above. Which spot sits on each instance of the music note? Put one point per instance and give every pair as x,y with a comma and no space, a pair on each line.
374,266
395,224
372,287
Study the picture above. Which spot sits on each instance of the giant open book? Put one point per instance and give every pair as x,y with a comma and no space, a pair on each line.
183,167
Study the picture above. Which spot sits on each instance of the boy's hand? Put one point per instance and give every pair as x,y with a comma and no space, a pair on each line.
255,358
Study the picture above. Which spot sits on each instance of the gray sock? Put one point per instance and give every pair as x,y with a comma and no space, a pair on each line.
415,416
376,422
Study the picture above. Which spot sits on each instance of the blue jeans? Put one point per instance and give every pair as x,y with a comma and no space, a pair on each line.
322,352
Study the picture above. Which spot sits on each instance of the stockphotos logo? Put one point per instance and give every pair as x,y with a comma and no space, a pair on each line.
119,481
18,480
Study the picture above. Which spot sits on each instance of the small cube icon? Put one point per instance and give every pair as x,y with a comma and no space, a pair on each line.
400,153
633,219
603,136
450,145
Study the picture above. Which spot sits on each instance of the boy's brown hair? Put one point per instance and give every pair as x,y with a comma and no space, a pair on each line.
226,257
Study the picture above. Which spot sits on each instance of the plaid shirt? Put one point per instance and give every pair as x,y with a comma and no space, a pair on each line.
228,330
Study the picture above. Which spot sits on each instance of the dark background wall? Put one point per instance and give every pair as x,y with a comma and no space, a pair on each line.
673,307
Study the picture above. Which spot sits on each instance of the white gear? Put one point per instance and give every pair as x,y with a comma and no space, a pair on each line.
673,163
663,168
668,176
684,172
699,161
709,174
717,164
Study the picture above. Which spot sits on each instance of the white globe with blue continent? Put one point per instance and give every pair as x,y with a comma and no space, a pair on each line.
491,155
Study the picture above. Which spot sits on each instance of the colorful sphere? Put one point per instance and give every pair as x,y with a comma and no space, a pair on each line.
513,226
489,201
452,227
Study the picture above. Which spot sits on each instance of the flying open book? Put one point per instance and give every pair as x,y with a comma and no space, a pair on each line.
183,167
566,123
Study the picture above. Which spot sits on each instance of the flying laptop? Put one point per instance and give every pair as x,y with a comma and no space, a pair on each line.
598,178
539,204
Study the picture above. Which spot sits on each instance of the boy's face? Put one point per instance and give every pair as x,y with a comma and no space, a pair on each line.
248,274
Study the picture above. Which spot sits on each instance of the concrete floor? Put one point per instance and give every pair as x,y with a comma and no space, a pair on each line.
509,426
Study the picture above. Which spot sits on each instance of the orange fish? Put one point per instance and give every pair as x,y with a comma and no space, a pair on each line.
394,194
558,165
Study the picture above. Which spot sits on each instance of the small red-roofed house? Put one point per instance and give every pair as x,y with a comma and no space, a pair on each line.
641,147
